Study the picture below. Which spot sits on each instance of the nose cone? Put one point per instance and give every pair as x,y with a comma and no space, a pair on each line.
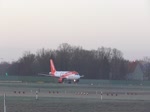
78,76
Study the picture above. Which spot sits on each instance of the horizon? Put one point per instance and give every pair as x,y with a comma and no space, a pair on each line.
34,52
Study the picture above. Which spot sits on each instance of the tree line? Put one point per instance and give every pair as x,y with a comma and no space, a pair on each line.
103,63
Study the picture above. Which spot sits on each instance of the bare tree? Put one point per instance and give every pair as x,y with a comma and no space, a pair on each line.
103,63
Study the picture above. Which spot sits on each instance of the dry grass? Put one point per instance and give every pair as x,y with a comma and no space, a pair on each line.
49,104
69,102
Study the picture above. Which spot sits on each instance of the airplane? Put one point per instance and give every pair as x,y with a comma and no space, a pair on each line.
63,75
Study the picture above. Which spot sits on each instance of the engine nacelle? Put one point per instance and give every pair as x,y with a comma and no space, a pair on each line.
60,80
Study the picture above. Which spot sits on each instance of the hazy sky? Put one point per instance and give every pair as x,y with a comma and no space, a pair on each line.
29,25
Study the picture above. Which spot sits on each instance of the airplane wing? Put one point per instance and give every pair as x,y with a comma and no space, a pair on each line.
42,74
82,76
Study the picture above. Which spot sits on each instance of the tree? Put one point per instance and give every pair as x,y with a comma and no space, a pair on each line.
4,67
103,63
26,64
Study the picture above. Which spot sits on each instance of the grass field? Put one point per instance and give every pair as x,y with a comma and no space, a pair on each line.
43,79
83,97
27,104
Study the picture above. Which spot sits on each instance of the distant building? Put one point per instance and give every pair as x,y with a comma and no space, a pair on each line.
136,71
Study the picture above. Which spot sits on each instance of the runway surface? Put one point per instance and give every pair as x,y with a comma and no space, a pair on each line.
74,97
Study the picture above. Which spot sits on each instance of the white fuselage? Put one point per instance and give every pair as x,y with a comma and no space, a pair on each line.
62,75
67,75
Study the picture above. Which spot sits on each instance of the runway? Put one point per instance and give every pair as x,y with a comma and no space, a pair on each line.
74,96
76,91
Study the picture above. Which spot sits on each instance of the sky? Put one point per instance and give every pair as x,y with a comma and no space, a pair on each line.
30,25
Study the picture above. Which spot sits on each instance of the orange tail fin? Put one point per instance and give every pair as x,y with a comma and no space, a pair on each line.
52,67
